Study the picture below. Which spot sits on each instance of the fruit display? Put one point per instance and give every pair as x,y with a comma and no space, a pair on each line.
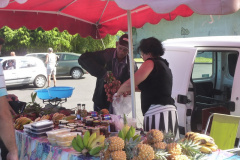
88,144
19,122
115,146
143,152
56,117
111,86
206,142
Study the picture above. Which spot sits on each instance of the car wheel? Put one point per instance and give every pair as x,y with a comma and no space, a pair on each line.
40,81
76,73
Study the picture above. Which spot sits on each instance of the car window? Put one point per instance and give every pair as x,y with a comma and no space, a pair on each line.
25,63
232,62
9,64
42,57
203,65
68,57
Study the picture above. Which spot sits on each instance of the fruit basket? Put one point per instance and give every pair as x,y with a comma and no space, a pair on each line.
60,92
56,95
55,92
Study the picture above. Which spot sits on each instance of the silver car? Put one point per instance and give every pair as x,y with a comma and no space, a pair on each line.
21,70
67,64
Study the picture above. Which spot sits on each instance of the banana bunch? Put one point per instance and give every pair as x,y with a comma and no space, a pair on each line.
91,144
207,142
20,122
130,134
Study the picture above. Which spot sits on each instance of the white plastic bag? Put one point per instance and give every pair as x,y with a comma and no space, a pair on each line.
122,105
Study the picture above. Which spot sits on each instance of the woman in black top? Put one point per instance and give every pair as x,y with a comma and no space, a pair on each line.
153,79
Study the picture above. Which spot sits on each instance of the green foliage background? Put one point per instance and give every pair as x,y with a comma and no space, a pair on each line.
24,41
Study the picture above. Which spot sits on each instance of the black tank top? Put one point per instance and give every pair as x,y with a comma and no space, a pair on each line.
157,87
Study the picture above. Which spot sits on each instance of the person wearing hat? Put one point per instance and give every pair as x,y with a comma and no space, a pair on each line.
7,134
99,62
51,61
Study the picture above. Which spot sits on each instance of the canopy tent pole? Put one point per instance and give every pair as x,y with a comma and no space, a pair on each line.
131,63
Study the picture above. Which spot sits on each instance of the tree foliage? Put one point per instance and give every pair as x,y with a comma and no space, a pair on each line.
24,41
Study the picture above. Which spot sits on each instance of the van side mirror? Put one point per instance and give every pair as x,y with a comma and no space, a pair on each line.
231,106
182,99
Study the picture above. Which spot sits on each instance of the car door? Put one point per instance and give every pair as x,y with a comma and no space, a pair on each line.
181,60
10,72
66,63
235,95
25,71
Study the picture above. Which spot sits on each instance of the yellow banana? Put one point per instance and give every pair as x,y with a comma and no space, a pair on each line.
92,137
99,141
125,127
213,148
210,143
206,150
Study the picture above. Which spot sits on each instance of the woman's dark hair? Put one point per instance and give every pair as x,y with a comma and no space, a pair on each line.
151,45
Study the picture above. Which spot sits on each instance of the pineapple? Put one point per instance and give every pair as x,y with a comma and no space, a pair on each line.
105,155
154,136
143,152
178,157
115,144
160,145
161,154
118,155
189,148
174,149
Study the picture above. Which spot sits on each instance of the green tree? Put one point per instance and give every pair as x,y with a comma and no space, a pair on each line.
24,41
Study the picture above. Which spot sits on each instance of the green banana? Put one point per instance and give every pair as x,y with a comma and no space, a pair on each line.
128,136
120,134
75,145
86,138
132,133
92,137
80,141
95,150
135,137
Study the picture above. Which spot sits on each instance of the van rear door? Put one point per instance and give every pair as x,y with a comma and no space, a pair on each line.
181,61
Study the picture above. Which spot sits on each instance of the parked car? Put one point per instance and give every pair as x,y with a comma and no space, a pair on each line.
205,75
67,64
21,70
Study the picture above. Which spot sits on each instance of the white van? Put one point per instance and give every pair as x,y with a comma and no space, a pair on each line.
21,70
206,73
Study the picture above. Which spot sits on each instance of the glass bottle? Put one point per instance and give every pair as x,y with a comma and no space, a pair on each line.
79,111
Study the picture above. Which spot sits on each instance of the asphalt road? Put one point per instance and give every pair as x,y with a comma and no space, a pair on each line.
82,93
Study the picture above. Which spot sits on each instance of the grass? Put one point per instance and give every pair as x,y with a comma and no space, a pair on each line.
138,60
197,60
203,60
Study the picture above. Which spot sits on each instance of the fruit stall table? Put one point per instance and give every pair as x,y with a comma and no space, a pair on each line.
30,148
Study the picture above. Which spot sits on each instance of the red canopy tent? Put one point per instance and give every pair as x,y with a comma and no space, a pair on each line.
97,18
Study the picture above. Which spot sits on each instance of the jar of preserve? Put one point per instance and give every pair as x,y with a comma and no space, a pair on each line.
96,130
89,122
96,123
